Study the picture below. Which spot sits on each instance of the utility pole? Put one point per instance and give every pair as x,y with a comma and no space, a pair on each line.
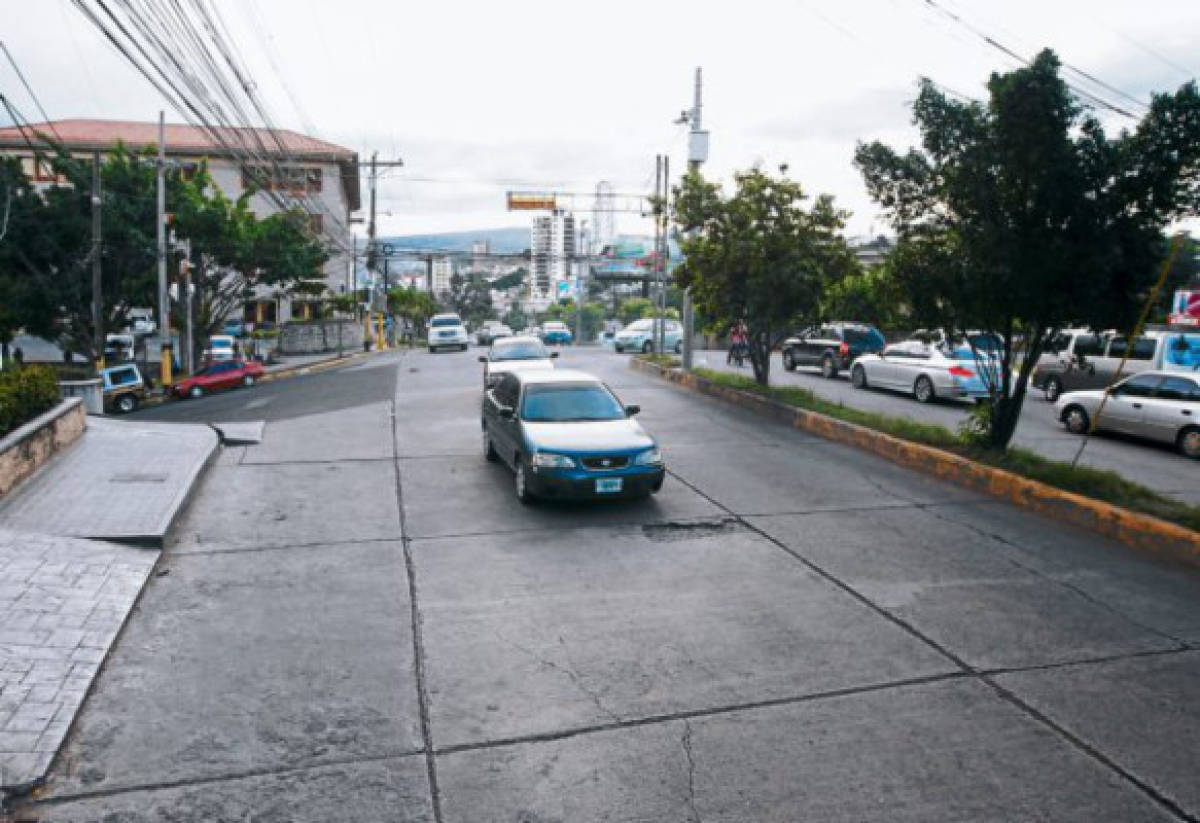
164,298
657,243
697,154
97,291
372,254
185,269
664,254
580,288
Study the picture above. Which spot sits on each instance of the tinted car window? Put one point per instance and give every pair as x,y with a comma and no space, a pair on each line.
1178,388
119,377
445,321
1117,347
1058,343
864,337
523,350
1140,386
1143,349
569,402
830,333
1088,345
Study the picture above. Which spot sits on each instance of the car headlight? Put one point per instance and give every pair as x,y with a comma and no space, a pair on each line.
547,460
651,457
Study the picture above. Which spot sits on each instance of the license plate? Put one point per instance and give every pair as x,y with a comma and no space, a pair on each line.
608,485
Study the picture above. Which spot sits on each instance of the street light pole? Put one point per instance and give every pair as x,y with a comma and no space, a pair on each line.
697,154
164,299
97,291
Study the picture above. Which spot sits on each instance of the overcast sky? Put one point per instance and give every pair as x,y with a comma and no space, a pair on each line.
480,97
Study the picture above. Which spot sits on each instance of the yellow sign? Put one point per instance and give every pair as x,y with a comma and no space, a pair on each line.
530,201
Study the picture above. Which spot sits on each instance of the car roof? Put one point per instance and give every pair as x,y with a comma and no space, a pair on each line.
557,376
516,340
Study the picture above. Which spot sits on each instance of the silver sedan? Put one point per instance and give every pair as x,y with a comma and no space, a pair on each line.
927,371
1158,405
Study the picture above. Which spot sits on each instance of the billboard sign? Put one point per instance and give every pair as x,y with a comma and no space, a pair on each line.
531,201
1185,308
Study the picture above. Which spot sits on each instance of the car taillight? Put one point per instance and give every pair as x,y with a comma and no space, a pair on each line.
959,371
844,349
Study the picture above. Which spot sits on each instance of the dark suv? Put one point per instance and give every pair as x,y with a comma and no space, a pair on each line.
832,346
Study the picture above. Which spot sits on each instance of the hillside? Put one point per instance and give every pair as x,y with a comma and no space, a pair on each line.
502,241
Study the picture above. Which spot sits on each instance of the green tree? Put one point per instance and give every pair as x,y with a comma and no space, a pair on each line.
872,295
759,255
635,308
515,319
470,298
1020,217
412,304
514,278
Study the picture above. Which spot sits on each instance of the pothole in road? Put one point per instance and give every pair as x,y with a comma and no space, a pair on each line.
692,530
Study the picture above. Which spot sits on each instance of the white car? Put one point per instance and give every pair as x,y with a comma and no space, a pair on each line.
514,354
1157,405
491,331
220,347
446,331
928,371
640,335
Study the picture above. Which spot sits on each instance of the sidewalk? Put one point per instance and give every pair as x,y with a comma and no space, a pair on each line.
67,586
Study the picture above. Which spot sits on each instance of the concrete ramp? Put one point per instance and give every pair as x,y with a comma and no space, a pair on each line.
122,481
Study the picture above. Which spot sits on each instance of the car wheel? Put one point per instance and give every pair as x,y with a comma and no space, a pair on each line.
432,349
196,391
679,347
126,403
1076,420
647,347
1053,389
464,347
520,484
923,390
789,360
858,377
1189,442
489,451
828,367
617,348
248,380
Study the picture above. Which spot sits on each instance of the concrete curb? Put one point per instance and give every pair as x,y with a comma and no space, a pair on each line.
1138,531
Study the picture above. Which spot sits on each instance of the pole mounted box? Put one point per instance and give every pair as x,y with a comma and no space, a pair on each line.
697,146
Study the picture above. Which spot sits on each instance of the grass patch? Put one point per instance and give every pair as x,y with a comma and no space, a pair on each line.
1099,484
665,360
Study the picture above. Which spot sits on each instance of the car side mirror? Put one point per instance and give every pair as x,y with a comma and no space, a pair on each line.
506,412
630,411
482,358
553,355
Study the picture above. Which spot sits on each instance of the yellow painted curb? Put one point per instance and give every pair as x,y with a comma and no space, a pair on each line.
1138,531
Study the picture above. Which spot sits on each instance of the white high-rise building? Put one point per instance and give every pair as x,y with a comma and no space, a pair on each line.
551,246
443,270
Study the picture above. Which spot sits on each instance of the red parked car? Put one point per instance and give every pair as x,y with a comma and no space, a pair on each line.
226,374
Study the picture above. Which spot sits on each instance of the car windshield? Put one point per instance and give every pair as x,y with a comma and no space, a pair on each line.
640,325
523,350
445,321
569,403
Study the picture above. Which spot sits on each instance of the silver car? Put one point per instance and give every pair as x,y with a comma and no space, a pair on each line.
1158,405
927,371
512,354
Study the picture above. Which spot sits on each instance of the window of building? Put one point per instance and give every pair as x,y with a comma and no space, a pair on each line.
296,179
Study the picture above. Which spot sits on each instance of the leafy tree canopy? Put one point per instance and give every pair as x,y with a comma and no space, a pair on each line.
1021,216
758,255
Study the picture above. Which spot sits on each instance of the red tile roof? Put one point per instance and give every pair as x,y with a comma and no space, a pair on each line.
180,139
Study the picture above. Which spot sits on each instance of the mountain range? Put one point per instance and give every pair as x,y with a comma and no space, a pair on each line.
500,241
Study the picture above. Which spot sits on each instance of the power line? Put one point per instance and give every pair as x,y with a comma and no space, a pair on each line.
25,83
996,44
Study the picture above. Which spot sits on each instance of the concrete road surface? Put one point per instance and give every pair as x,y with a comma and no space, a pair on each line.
358,621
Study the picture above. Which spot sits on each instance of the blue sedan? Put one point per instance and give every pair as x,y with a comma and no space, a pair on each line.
565,435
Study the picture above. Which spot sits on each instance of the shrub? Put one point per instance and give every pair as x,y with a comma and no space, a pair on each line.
24,394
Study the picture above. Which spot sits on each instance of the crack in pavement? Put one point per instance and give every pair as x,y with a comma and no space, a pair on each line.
567,670
686,742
